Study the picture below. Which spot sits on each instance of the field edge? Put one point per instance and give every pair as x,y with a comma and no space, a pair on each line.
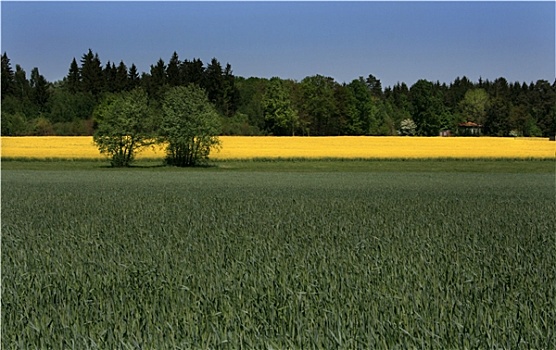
301,164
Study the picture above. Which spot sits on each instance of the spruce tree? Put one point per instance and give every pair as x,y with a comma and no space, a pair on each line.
173,71
21,84
91,74
120,81
133,79
8,82
73,80
230,92
39,89
109,77
157,81
214,84
158,73
192,72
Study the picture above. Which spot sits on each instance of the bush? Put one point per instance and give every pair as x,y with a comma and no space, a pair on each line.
123,126
190,126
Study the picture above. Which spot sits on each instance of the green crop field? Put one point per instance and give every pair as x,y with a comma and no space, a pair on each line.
219,259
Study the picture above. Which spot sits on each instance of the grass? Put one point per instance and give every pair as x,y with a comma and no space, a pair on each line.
517,165
380,255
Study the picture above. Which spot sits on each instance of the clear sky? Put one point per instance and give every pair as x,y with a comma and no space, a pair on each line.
395,41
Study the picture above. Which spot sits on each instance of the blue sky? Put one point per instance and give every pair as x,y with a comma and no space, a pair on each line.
395,41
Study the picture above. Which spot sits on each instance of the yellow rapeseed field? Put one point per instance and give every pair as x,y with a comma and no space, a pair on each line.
239,147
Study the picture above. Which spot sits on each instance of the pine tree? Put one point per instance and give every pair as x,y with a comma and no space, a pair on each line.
374,85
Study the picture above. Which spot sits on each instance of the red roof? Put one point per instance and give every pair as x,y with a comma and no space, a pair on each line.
470,125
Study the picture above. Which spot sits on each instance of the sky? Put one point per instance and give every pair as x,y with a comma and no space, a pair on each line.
394,41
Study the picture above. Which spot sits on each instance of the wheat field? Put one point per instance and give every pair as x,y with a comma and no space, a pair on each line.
240,147
152,259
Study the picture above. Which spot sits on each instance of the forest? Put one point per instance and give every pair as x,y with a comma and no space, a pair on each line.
315,106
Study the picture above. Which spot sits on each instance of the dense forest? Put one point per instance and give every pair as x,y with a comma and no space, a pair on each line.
314,106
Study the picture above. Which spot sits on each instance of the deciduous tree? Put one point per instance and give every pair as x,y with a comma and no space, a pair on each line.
474,106
123,126
280,116
318,106
190,126
427,108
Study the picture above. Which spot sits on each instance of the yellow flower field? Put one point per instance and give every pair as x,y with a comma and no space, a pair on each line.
234,147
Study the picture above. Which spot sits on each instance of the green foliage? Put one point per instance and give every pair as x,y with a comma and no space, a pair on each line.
133,79
91,74
39,90
238,125
360,120
497,123
408,127
75,127
124,126
13,105
317,105
167,259
14,124
251,92
73,79
374,86
427,108
192,72
7,77
65,106
158,79
522,122
173,76
280,116
42,127
474,106
190,126
220,87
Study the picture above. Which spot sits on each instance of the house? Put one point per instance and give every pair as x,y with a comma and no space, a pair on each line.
445,133
469,129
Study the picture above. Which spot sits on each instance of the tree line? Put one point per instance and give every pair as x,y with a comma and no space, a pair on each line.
187,126
315,106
